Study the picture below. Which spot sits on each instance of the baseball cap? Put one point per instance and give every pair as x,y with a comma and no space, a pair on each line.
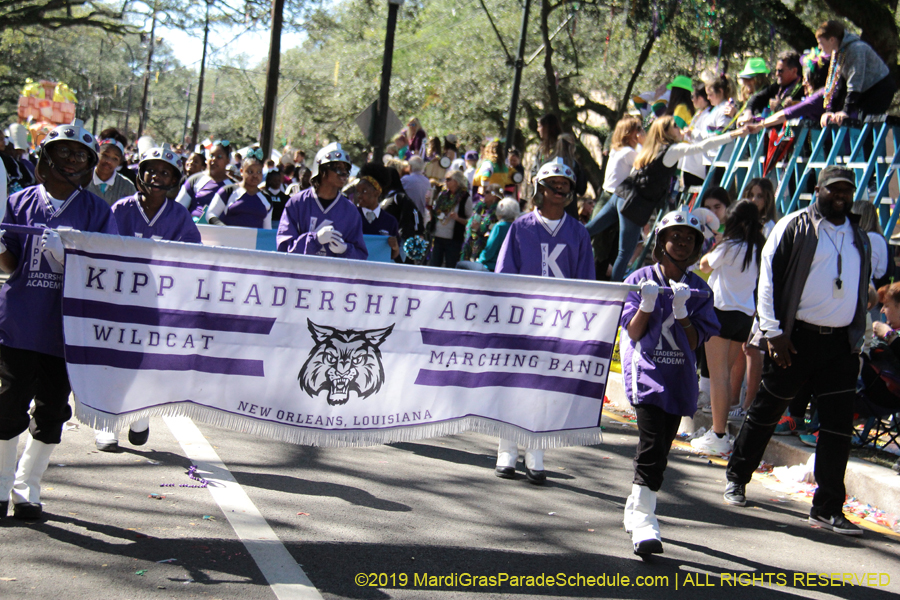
471,155
834,174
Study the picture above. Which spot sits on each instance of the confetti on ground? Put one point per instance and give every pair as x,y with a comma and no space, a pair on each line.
156,497
871,513
7,578
208,518
168,560
551,513
302,514
141,572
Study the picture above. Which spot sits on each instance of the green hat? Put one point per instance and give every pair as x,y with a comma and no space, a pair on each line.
754,66
682,82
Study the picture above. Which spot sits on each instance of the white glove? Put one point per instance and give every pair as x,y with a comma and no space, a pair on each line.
2,245
51,244
649,292
327,234
680,294
338,246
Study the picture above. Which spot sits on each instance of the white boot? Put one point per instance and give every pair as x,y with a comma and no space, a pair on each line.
7,472
628,520
645,528
534,466
26,492
106,440
507,455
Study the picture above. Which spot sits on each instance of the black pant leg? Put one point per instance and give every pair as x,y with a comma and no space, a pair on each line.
779,386
51,399
18,369
656,430
835,389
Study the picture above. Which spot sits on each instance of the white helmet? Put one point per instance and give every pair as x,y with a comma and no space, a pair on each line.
72,132
681,217
329,154
555,168
166,155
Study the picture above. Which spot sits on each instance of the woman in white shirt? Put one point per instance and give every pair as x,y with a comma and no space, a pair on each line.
693,171
761,192
734,267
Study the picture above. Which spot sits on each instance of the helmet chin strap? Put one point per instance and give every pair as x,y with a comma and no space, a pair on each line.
675,263
75,178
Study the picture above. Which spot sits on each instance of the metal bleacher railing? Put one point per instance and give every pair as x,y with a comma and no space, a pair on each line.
869,147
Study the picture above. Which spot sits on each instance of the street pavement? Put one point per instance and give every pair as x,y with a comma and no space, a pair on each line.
415,520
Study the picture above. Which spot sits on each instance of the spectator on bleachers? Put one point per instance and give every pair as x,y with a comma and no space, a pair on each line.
857,68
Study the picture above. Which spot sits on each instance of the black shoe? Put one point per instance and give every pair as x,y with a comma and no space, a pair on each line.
28,511
648,547
138,438
735,494
4,509
505,472
838,524
535,477
107,446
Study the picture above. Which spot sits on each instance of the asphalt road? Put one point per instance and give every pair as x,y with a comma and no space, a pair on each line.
405,515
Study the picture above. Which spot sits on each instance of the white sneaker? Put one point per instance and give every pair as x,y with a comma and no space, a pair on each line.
710,443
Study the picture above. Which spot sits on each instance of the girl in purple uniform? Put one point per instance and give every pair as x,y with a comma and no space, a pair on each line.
151,214
31,329
549,243
660,334
321,220
199,190
242,204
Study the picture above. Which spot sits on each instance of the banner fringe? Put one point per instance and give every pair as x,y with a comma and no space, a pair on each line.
306,436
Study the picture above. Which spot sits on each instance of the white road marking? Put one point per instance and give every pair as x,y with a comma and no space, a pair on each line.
286,578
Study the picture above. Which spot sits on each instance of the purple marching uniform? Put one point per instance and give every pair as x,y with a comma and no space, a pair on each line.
172,222
530,248
242,209
303,215
660,369
31,300
198,192
31,324
383,224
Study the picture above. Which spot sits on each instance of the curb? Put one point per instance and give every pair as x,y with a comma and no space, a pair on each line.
868,482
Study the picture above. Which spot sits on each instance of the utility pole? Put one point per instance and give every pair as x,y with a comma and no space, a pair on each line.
143,120
517,79
97,95
195,130
272,71
379,124
187,112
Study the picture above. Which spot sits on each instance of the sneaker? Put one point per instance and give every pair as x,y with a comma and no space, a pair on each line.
789,426
736,414
707,409
710,443
838,524
810,439
735,494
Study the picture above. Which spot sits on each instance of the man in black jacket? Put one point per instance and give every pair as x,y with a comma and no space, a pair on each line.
813,292
787,89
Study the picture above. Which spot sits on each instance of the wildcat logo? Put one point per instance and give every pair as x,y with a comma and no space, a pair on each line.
343,361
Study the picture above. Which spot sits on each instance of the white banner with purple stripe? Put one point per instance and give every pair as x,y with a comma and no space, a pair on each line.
332,352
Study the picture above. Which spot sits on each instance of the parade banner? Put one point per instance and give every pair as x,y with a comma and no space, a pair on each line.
332,352
264,239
